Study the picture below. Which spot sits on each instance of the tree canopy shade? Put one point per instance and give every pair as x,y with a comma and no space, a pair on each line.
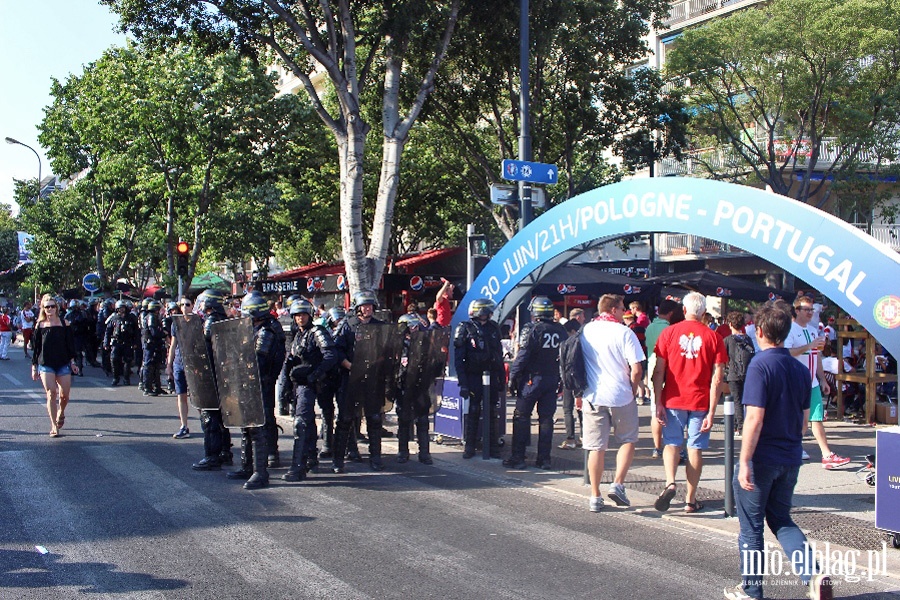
159,140
786,83
394,47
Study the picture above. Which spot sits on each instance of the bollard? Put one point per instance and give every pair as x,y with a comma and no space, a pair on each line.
729,455
486,416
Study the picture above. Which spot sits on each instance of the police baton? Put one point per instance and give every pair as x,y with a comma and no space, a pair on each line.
486,415
729,455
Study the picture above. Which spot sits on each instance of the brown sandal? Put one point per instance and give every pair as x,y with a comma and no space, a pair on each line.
60,421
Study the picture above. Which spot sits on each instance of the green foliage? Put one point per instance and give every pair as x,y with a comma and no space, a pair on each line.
783,83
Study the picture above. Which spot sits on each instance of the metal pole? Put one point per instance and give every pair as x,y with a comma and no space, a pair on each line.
180,287
525,210
729,455
470,259
10,140
486,415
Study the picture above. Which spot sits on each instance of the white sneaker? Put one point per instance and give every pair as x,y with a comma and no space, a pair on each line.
805,455
596,503
617,494
736,593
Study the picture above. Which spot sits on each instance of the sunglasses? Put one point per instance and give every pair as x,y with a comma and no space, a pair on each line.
186,304
49,306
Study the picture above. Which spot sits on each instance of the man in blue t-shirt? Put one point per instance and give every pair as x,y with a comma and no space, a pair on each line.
776,410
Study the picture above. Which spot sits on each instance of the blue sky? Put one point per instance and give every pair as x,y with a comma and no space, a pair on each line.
39,40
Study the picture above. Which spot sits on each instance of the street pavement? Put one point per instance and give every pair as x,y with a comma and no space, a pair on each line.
111,509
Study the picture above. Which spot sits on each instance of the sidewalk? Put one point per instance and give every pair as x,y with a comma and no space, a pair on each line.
835,506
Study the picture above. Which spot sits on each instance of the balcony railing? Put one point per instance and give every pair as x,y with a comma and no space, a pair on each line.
723,158
675,245
692,9
886,234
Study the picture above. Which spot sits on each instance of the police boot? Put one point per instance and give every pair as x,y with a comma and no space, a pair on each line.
328,439
375,449
274,460
341,434
495,436
521,431
470,435
403,428
353,454
260,477
297,472
115,382
246,469
424,440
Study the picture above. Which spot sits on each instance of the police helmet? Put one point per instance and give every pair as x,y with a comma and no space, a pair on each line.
334,315
73,303
129,304
481,307
145,303
211,298
121,304
254,305
291,299
541,307
409,321
361,298
109,303
170,306
153,306
302,306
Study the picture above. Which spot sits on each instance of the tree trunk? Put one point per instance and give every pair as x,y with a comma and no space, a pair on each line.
350,149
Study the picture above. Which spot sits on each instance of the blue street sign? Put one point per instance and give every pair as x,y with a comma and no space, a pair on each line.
91,282
520,170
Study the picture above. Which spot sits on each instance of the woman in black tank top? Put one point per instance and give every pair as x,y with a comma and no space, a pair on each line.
53,360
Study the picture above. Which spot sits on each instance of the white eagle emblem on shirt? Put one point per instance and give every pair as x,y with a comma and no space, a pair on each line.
690,345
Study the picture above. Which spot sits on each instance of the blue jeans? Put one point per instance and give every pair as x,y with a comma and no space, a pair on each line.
770,501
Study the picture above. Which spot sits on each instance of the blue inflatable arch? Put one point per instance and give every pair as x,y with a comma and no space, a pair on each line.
855,271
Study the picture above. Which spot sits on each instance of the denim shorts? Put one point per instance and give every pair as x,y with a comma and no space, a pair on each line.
180,381
63,370
677,420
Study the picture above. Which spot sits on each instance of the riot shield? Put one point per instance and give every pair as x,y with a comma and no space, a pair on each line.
426,358
375,356
237,373
198,368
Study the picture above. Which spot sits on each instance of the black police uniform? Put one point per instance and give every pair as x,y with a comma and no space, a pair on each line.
153,342
119,338
216,437
102,321
345,340
311,358
411,411
478,349
534,376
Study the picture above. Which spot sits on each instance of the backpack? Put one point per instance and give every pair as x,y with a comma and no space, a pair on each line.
743,354
571,365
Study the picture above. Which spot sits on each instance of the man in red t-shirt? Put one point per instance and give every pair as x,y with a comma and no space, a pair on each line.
690,359
442,304
5,333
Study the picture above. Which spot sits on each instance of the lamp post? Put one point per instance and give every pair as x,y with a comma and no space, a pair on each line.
10,140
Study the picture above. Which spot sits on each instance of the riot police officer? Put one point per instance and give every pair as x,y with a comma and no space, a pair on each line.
93,340
258,442
77,320
364,304
216,437
103,317
534,379
171,310
119,341
411,410
286,396
328,387
477,349
309,361
153,342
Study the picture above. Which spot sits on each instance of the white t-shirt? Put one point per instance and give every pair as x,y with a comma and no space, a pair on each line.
801,336
750,330
27,319
609,351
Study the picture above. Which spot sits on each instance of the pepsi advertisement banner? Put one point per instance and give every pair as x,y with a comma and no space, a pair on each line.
851,268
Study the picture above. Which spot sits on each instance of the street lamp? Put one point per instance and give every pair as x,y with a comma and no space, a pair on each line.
10,140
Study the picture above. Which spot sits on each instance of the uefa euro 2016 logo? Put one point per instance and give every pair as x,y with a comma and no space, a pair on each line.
887,312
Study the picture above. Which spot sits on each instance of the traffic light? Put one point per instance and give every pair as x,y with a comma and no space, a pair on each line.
183,251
